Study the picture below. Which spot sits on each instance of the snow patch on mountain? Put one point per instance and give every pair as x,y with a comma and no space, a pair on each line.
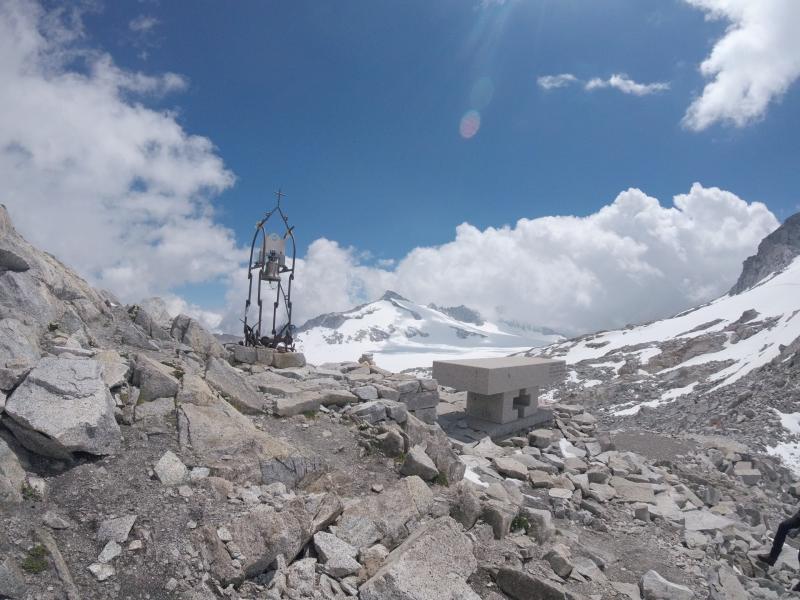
714,345
402,334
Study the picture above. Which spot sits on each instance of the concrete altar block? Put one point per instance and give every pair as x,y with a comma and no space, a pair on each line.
500,390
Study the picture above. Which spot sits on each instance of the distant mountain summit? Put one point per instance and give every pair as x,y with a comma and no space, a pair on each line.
775,253
403,334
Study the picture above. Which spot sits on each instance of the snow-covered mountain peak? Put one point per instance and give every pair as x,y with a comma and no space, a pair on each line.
403,334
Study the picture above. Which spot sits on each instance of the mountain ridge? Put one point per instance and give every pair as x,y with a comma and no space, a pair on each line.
403,334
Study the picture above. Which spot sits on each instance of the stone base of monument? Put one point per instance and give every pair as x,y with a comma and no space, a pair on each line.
269,357
252,355
541,416
288,360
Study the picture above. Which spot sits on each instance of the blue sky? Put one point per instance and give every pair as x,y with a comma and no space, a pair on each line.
141,140
353,108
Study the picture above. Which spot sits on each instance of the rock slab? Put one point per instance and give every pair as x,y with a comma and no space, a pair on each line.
432,564
64,406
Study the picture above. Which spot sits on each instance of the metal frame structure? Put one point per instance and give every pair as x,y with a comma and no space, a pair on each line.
269,268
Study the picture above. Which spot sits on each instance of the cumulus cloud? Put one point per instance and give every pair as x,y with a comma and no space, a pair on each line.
751,65
626,85
550,82
116,189
631,261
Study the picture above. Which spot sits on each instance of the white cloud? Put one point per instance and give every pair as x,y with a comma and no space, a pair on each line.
751,65
143,23
116,189
631,261
550,82
618,81
123,193
626,85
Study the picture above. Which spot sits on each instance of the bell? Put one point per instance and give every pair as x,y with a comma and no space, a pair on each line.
272,270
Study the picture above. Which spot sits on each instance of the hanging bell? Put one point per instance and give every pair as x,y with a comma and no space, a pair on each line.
272,268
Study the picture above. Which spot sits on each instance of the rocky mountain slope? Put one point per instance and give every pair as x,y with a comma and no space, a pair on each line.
730,366
140,458
404,335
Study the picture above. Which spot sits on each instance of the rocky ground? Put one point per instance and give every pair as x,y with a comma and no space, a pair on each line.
142,459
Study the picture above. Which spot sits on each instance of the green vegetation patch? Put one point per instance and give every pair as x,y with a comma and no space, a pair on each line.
36,560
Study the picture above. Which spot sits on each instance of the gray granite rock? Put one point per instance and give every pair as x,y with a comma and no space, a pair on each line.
432,564
64,406
654,587
188,331
233,386
154,379
420,464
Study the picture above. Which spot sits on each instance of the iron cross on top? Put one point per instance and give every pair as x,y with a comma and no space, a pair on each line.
280,195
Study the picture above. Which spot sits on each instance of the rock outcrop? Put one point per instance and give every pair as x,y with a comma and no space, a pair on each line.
775,252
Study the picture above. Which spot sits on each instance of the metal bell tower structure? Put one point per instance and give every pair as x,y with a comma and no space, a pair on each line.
270,265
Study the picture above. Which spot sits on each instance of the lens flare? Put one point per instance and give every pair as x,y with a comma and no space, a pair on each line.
470,124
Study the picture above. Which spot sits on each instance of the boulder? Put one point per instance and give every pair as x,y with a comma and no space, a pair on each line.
466,505
18,342
704,520
540,524
373,558
259,535
370,412
654,587
115,368
366,392
233,386
188,331
499,515
214,432
420,464
509,467
64,406
337,556
12,476
631,491
157,416
294,405
432,564
723,584
11,377
158,310
12,580
520,585
147,323
444,457
116,529
154,379
485,448
333,397
559,558
385,517
170,470
195,390
540,438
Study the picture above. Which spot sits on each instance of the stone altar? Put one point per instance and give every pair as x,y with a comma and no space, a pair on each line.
502,393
